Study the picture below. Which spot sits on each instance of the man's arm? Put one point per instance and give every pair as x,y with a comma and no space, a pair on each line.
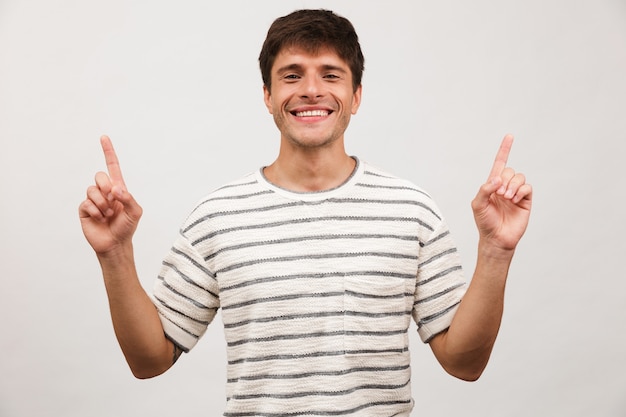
109,217
501,210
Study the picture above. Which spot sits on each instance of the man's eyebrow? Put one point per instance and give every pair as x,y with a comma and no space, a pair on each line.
298,67
337,68
290,67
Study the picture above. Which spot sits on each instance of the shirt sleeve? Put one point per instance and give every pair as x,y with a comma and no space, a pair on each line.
186,294
440,283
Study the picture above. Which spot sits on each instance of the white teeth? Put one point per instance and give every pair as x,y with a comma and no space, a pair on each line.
311,113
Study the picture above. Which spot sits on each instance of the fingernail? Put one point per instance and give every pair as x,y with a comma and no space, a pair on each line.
509,194
109,212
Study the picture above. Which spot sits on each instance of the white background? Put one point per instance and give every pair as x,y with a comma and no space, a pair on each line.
176,85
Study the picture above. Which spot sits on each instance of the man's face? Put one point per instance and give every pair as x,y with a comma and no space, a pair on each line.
311,97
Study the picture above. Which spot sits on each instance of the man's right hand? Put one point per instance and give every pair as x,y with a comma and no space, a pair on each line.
109,216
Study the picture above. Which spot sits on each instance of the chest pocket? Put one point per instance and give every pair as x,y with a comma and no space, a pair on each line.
377,314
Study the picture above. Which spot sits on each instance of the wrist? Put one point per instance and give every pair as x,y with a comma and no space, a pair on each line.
490,250
117,256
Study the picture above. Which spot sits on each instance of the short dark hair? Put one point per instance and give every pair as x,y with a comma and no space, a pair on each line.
312,30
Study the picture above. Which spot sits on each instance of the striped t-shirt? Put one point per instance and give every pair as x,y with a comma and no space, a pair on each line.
317,291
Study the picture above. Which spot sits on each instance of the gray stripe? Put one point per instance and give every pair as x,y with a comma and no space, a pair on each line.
282,298
437,256
174,291
384,201
439,275
167,306
315,335
181,328
376,174
178,345
244,211
287,357
317,275
435,316
435,239
188,279
314,220
234,197
439,294
340,372
320,256
377,351
322,393
319,412
315,315
321,354
309,238
237,185
377,296
392,187
202,268
225,187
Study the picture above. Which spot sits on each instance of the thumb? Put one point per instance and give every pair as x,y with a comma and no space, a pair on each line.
131,207
485,192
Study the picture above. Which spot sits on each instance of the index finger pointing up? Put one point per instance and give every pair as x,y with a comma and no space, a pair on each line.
113,165
502,157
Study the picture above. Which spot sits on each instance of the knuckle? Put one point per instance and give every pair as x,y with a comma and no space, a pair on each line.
91,190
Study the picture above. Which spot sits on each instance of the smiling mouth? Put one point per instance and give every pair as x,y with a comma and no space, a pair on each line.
311,113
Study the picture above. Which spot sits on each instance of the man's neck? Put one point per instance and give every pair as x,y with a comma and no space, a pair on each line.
311,170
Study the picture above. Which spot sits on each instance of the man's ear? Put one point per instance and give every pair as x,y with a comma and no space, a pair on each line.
267,97
356,99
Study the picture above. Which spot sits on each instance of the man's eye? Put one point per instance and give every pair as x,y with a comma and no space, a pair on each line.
331,76
291,77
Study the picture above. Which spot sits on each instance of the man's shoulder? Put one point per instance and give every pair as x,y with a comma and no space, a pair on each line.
229,195
239,186
376,177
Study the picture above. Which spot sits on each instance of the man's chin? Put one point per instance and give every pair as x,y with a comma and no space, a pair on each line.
312,143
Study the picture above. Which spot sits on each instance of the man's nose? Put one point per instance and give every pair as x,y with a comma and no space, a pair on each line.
312,87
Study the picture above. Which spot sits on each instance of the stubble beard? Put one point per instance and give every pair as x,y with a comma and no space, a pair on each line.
308,141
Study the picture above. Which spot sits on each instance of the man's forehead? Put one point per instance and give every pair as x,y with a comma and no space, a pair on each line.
297,52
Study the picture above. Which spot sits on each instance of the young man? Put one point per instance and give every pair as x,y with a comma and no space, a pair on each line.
318,261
